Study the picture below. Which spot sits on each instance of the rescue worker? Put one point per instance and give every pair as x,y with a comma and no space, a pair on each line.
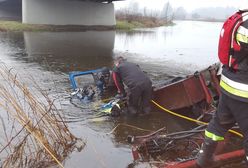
233,102
138,83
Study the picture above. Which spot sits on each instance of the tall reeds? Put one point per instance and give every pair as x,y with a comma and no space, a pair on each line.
34,134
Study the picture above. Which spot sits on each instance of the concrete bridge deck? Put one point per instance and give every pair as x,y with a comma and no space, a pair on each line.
61,12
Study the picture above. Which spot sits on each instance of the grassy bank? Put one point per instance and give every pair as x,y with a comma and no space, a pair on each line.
130,21
18,26
125,25
120,25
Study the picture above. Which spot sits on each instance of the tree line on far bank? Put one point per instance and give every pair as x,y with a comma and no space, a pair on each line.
134,13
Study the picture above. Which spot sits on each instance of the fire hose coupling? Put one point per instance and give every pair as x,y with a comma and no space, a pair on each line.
130,139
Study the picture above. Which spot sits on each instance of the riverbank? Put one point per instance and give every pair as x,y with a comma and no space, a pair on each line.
125,25
120,25
18,26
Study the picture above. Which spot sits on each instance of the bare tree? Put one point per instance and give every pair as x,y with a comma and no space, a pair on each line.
195,16
133,7
145,11
167,12
180,13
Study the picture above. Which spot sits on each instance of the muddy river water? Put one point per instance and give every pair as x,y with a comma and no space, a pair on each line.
162,52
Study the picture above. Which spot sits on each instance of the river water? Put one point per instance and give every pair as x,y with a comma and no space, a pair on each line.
162,52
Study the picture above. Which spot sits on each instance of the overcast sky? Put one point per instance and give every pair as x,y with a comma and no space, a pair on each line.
189,5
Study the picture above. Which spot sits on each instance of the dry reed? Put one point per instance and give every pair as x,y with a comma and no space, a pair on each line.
34,132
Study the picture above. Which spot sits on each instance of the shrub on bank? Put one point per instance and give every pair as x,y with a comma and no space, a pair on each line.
125,25
131,21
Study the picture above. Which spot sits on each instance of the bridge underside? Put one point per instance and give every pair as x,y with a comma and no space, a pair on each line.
11,10
65,12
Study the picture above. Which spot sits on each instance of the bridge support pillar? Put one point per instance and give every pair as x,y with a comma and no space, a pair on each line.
66,12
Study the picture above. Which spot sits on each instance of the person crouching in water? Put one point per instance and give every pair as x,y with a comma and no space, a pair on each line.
139,86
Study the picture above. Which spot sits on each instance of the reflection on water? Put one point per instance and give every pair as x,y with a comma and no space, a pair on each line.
162,52
71,51
132,37
173,50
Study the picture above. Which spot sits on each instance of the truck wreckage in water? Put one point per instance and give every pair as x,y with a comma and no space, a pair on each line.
194,95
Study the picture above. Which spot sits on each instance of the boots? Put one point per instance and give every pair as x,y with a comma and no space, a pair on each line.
206,155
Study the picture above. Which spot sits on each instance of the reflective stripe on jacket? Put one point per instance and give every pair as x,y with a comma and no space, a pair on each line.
233,87
234,82
242,35
213,136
